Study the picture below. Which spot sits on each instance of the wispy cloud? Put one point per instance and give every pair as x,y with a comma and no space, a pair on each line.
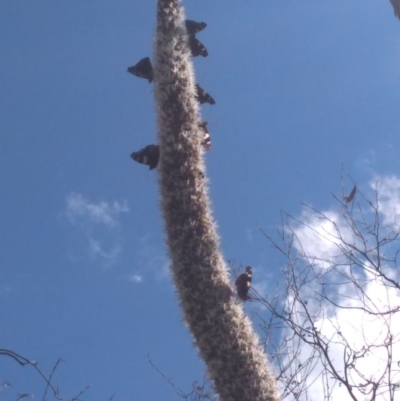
135,278
81,211
97,250
99,224
152,257
151,261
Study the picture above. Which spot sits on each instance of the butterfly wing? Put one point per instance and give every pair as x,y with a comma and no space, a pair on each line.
349,198
203,96
196,47
142,69
193,27
148,156
396,8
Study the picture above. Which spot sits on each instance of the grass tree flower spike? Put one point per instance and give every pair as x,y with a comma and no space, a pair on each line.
221,330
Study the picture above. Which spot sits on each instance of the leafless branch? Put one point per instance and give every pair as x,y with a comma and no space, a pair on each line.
23,361
303,325
199,392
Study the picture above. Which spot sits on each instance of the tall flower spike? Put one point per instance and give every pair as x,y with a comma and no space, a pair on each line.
221,330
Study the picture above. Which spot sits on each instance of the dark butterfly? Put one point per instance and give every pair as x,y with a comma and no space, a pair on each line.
196,47
206,142
148,155
396,8
203,96
243,283
143,69
349,198
193,27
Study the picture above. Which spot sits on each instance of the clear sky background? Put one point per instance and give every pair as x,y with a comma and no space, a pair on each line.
302,88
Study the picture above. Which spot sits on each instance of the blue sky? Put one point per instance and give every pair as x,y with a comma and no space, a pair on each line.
302,88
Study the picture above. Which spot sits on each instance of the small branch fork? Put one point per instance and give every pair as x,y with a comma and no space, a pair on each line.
21,360
199,392
49,380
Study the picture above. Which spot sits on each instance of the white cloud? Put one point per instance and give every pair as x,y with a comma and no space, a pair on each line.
97,250
99,223
135,278
389,198
318,238
79,210
349,330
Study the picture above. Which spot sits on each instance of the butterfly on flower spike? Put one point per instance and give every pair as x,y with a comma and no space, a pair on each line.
148,155
193,27
196,47
206,142
203,96
143,69
243,283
